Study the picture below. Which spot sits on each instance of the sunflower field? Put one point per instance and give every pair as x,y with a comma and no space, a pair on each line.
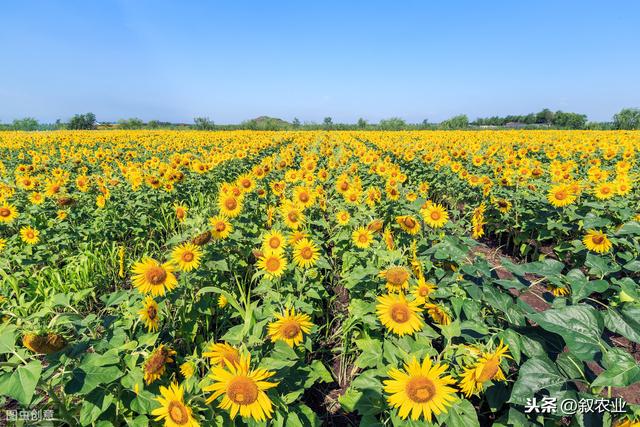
191,278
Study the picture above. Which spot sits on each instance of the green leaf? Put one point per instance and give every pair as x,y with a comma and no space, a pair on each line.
94,405
600,266
462,414
579,325
8,334
21,383
622,370
534,375
616,323
632,227
86,379
371,352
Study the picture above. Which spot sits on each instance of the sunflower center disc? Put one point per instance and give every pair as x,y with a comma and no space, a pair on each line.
156,275
152,312
273,264
242,391
5,212
420,389
178,413
306,252
435,215
231,204
187,256
400,313
598,239
274,242
290,330
489,370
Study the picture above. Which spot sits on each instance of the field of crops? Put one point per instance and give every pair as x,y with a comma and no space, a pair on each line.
186,278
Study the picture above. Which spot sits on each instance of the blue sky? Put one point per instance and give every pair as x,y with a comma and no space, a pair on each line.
234,60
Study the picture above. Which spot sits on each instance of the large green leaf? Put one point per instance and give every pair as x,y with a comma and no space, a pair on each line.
86,379
579,325
21,383
622,370
371,352
462,414
8,335
533,376
618,324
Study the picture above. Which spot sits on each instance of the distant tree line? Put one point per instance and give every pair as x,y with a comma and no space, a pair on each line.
627,118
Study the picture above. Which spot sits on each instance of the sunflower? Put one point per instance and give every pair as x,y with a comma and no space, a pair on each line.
180,211
172,408
149,314
438,314
186,256
484,369
303,196
362,238
246,182
274,241
36,198
8,213
560,196
420,389
397,278
220,354
273,264
152,277
220,226
605,190
187,369
503,205
156,364
3,244
292,215
409,224
305,253
222,301
243,389
45,343
29,235
435,215
558,291
289,327
597,241
343,217
388,238
399,315
422,290
230,205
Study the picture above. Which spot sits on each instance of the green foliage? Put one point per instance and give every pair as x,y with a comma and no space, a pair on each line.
457,122
28,123
627,118
82,122
203,123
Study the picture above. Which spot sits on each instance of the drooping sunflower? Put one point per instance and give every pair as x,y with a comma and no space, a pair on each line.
399,315
152,277
397,278
438,314
187,369
435,215
558,291
420,389
274,241
3,244
220,354
222,301
290,327
29,235
172,408
409,224
157,362
230,205
273,264
362,237
560,195
149,314
221,228
8,213
305,253
387,236
180,211
45,343
485,368
186,256
597,241
243,389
